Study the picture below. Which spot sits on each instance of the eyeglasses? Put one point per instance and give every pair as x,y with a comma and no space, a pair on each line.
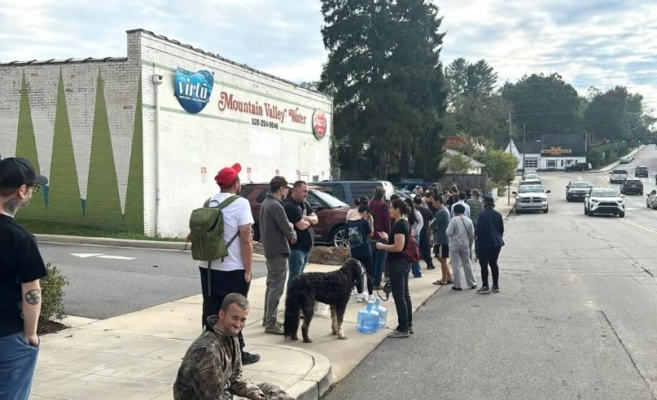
35,188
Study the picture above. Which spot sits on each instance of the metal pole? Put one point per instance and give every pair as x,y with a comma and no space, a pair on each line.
524,146
510,138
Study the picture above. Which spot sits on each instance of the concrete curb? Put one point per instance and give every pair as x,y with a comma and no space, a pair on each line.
316,382
615,164
112,242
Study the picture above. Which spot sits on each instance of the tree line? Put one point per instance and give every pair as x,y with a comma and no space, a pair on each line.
395,102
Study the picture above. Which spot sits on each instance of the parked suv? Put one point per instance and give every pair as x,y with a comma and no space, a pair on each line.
331,212
578,167
347,191
632,186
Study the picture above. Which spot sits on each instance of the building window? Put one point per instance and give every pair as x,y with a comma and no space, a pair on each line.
531,163
551,163
315,178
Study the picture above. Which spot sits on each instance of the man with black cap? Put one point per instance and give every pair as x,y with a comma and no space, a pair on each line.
233,273
488,233
21,268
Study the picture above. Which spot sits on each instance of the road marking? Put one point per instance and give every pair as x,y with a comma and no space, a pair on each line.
86,255
640,226
100,255
117,257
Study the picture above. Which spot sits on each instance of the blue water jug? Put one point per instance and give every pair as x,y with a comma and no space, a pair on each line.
368,319
383,313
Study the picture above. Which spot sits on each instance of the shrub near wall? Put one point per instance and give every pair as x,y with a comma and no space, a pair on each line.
52,301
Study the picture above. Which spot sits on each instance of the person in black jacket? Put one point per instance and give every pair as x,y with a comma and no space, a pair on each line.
488,233
425,236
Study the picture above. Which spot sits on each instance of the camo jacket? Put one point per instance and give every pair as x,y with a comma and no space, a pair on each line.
212,369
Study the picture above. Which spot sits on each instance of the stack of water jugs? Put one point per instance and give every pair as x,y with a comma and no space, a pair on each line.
372,318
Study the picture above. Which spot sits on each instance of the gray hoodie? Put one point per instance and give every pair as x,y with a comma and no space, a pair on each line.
460,232
275,229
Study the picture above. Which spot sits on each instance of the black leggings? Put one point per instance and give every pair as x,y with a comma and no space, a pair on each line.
223,283
369,269
488,256
398,271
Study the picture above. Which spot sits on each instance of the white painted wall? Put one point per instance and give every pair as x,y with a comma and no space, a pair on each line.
213,138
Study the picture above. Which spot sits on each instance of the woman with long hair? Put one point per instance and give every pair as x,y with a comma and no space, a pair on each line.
417,222
398,267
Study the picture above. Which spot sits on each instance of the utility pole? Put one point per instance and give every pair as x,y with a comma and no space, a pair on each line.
510,138
586,146
524,146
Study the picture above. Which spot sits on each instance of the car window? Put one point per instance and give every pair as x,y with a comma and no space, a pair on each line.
619,171
363,189
530,189
604,193
245,192
317,198
579,185
261,196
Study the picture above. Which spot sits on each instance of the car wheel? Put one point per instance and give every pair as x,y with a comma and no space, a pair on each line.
546,210
640,193
621,214
590,214
339,237
586,212
255,233
568,199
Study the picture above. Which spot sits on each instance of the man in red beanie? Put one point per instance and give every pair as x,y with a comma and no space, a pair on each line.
233,273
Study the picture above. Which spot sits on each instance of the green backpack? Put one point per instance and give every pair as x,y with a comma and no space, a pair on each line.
207,233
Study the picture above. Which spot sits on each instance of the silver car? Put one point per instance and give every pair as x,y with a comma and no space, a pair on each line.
531,198
651,200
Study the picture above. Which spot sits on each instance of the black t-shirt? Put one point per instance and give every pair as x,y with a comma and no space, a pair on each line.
426,217
403,227
295,212
20,262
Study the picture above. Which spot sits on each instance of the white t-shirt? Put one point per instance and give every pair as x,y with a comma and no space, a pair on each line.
237,214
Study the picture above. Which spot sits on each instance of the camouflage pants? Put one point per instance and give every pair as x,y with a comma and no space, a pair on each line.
271,391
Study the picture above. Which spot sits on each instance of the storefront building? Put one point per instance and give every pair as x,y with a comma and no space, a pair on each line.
133,143
551,152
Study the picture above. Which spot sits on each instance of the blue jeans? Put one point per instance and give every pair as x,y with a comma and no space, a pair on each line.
298,261
415,267
17,365
379,260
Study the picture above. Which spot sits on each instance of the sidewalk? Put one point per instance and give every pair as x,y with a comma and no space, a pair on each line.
137,355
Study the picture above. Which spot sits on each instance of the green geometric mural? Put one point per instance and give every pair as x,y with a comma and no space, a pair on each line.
26,148
102,202
64,193
134,201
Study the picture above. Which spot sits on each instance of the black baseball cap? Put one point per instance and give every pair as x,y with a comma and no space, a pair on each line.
16,172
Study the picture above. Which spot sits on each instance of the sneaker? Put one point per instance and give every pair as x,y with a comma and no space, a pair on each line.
473,287
398,335
495,289
371,299
274,330
361,298
456,288
248,358
410,329
483,290
431,267
354,292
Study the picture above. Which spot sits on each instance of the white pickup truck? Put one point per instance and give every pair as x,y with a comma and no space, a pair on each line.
618,176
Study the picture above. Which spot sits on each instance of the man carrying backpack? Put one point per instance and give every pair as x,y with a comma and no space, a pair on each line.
221,240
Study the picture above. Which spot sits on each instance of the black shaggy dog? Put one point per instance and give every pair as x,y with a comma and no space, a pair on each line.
332,288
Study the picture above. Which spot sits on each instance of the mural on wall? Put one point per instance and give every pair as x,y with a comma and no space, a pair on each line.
61,200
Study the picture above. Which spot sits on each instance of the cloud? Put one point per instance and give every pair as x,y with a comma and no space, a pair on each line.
599,43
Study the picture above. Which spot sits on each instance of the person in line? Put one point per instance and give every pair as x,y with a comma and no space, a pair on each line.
276,234
476,207
461,232
461,200
425,233
302,217
232,274
489,236
21,271
212,367
440,240
417,224
381,216
353,211
360,228
398,267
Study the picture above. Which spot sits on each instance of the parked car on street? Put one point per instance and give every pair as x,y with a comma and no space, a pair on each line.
626,159
604,201
531,178
578,167
641,172
618,176
331,212
531,198
577,190
651,200
632,186
347,191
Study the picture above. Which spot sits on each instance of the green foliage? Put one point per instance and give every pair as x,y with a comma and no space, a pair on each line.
385,74
466,79
499,165
52,295
616,113
457,164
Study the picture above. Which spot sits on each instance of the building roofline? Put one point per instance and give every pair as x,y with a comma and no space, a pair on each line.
64,61
217,56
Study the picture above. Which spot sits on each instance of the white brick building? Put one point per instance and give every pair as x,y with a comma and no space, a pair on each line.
121,150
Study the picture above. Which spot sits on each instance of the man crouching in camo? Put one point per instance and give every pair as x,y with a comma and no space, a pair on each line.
212,367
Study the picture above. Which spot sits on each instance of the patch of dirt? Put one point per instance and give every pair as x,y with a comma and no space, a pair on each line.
324,255
46,327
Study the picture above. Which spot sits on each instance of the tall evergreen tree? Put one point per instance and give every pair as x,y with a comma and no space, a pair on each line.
385,71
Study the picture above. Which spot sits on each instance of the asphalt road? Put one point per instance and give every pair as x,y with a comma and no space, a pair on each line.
574,320
129,280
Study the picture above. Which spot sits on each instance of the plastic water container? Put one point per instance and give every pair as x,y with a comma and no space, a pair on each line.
368,319
321,309
383,313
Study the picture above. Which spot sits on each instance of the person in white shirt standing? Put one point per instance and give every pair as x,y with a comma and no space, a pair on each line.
460,232
462,197
233,273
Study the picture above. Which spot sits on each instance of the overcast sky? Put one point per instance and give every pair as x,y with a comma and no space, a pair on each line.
590,42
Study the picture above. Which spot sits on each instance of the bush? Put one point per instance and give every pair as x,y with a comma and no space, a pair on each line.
52,295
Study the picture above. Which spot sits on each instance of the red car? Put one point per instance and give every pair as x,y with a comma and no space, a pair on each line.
332,213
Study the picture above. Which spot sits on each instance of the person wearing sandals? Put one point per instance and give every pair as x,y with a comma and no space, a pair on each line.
360,228
460,232
489,233
440,241
398,267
